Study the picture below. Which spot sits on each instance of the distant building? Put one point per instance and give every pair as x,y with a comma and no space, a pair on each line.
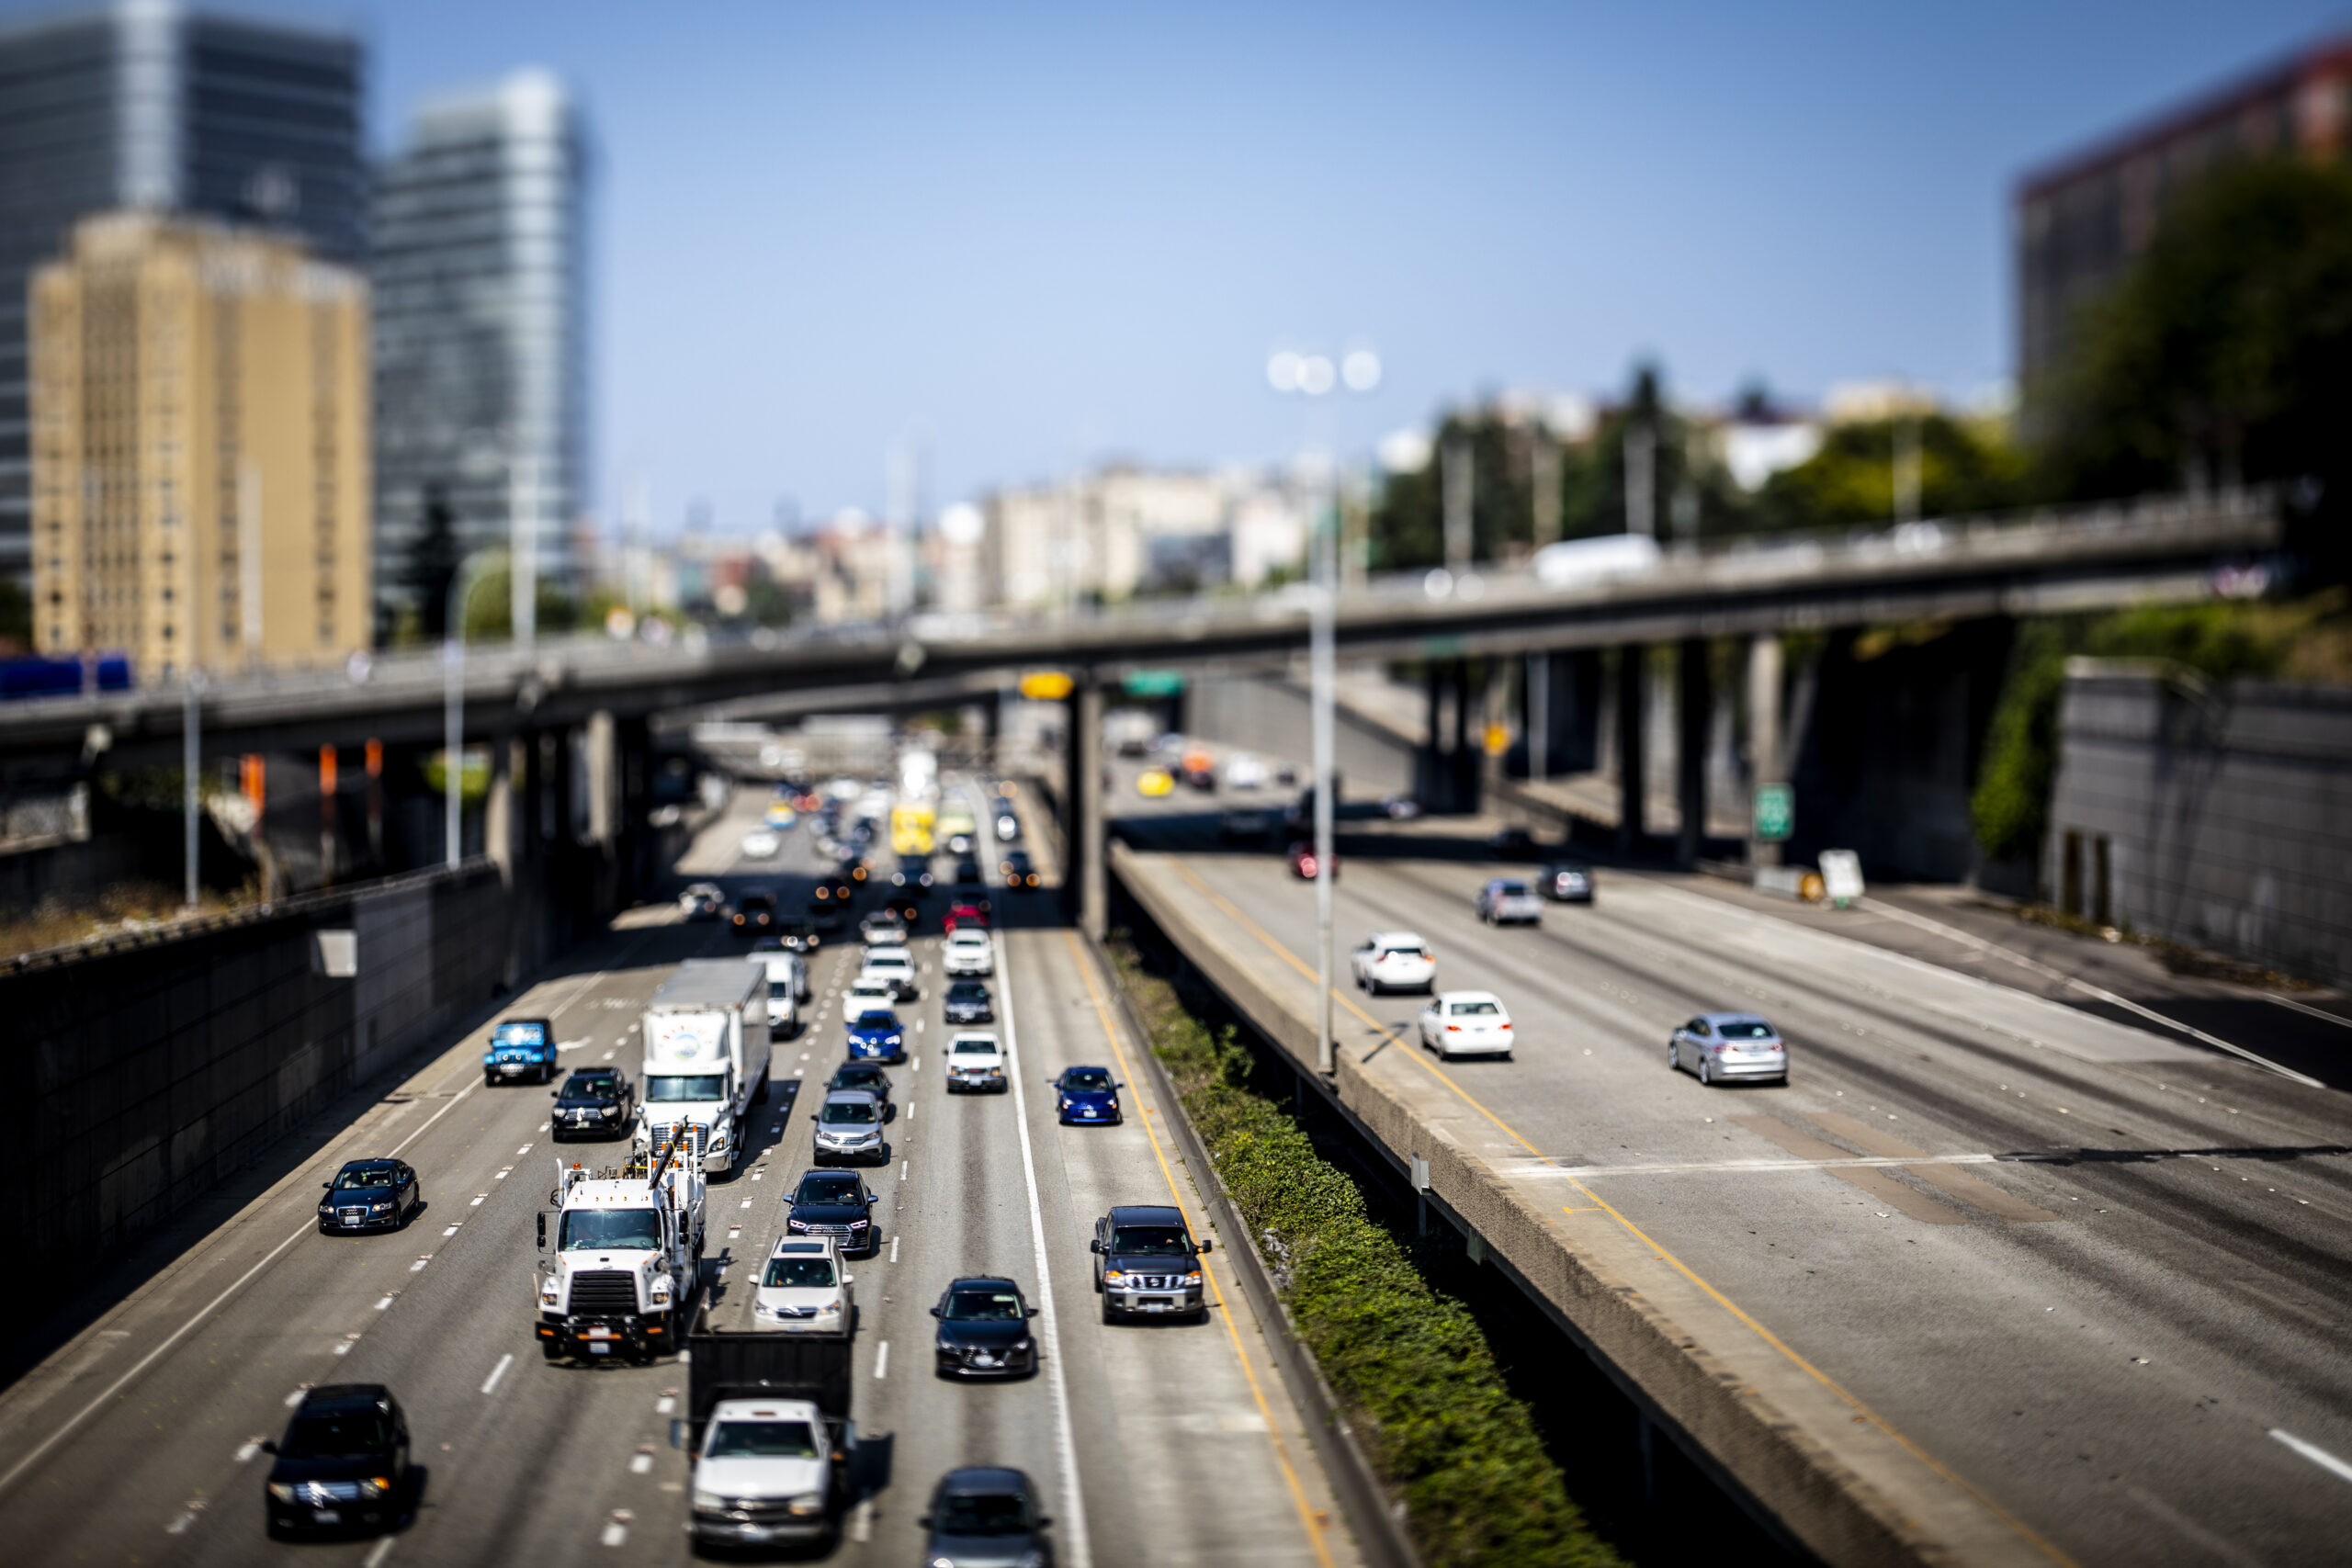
482,328
2081,220
146,104
199,454
1110,535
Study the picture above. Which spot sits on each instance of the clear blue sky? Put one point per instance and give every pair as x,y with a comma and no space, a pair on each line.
1031,235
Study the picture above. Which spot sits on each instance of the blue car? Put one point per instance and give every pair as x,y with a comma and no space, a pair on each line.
876,1035
520,1048
1087,1096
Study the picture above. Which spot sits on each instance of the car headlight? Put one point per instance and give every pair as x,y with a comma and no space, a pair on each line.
281,1491
662,1286
611,1111
795,1224
379,1208
1193,1278
1021,1344
711,1501
859,1225
376,1487
551,1291
805,1506
1115,1277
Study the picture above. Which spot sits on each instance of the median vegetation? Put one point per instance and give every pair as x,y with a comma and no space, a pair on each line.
1414,1369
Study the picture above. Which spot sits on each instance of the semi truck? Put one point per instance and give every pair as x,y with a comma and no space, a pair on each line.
706,1035
627,1256
768,1427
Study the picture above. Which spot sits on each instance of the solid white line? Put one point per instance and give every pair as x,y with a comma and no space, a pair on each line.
377,1554
1074,1535
57,1433
490,1383
2317,1455
894,1249
2335,1017
882,1360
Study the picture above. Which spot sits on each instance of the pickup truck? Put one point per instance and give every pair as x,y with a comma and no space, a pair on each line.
769,1431
520,1049
1146,1262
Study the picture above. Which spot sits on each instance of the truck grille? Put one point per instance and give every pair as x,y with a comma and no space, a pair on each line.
596,1291
696,1135
1155,1282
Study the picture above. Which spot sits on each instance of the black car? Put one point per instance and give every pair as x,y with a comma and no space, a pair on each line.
1566,881
967,1001
967,872
984,1329
594,1102
1019,870
868,1075
371,1195
883,928
754,912
343,1463
1512,844
913,874
833,891
834,1203
981,1516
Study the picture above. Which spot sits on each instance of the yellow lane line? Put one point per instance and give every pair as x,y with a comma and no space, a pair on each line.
1265,1411
2030,1535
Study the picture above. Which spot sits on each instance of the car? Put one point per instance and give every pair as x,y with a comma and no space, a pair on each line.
754,912
594,1102
868,1075
1506,901
1512,844
1399,808
760,844
1466,1024
804,1289
967,872
779,818
1008,826
343,1463
834,1203
966,916
976,1061
1393,961
369,1195
519,1048
984,1329
833,891
903,904
1723,1046
703,901
967,1001
969,954
1244,770
876,1035
1566,881
867,991
1155,783
895,965
1301,855
849,1126
1286,775
1244,823
885,928
1019,870
984,1515
913,874
1197,769
1146,1263
1086,1096
766,1476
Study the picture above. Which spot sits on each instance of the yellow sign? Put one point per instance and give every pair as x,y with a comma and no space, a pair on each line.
1046,685
1497,740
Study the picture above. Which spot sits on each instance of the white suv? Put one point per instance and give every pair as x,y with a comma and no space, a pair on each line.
895,965
968,954
1393,960
975,1060
803,1289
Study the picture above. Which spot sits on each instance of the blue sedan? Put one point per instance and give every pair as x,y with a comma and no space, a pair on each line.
876,1035
1087,1096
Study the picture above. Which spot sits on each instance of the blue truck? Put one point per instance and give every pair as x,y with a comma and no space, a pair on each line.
520,1048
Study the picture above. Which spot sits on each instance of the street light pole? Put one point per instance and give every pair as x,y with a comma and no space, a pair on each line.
452,708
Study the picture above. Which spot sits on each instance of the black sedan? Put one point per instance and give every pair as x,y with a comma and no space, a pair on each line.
754,912
1512,844
967,1001
985,1515
868,1075
343,1463
594,1102
1019,870
834,1203
371,1195
1566,881
984,1329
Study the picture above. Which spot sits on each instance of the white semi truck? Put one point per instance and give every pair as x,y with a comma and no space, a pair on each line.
705,1035
626,1259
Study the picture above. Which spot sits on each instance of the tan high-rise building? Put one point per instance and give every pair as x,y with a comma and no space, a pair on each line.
200,441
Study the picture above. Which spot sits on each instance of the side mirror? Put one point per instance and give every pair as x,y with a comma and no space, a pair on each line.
1095,1247
849,1279
543,1229
934,1312
326,1186
1029,1312
923,1523
269,1446
1045,1519
873,1199
1208,1244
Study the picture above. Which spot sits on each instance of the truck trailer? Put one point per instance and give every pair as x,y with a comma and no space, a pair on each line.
706,1043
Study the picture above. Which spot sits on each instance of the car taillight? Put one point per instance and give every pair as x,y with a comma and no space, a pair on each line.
1502,1026
1453,1029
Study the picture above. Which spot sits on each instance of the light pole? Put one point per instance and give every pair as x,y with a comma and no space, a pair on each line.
191,760
1312,376
453,704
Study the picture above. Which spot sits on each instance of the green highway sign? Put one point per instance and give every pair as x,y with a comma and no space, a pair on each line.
1154,682
1776,812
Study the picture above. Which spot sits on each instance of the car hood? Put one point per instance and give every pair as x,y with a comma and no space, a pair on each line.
829,1213
749,1476
1151,1263
981,1550
989,1335
818,1296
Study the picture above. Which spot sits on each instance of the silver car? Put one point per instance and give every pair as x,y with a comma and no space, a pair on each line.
1722,1045
849,1127
1507,900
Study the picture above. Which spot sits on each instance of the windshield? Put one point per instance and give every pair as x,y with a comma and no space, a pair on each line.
1087,1080
974,1047
847,1112
611,1230
860,1077
334,1437
1165,1239
518,1034
991,1513
967,991
983,1306
346,1180
678,1088
1475,1010
760,1440
801,1273
876,1021
1738,1031
1402,953
1510,890
590,1090
828,1190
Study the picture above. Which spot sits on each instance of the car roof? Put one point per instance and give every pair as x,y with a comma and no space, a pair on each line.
981,1480
753,1409
378,1162
1469,997
874,1018
985,1282
598,1071
853,1096
822,1170
969,936
794,1246
1146,1214
1397,939
862,1070
963,1034
1084,1067
348,1396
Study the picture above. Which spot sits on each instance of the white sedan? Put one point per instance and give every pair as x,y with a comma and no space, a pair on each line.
1393,960
1466,1024
761,844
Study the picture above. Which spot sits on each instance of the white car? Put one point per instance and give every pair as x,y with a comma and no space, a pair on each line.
975,1060
761,845
1393,960
1243,771
896,965
803,1289
1466,1024
868,993
968,954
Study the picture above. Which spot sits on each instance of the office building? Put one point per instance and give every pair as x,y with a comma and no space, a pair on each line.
199,453
143,104
2080,221
482,329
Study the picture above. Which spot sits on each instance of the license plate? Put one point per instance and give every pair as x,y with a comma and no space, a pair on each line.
510,1067
325,1516
1154,1303
600,1334
600,1348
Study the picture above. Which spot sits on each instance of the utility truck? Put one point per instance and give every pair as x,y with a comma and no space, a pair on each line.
705,1035
768,1427
627,1256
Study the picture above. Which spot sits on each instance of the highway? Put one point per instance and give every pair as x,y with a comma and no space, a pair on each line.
1171,1444
2093,1276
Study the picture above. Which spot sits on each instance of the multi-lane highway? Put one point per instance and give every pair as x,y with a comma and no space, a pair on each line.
2095,1276
136,1443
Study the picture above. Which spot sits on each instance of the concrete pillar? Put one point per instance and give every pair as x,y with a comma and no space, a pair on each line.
1539,715
1632,692
604,781
497,825
1765,763
1085,883
1691,703
639,868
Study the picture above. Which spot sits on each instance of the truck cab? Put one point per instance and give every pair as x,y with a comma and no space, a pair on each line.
521,1049
624,1258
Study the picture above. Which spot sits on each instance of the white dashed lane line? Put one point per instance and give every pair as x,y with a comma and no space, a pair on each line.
490,1383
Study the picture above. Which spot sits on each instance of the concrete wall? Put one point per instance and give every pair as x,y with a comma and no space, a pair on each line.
2213,814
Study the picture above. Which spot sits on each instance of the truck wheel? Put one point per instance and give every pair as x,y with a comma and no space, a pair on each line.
1109,1315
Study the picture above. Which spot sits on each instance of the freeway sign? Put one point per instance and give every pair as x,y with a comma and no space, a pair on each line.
1154,682
1776,812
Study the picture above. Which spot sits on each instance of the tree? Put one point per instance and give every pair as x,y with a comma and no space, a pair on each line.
432,560
1964,466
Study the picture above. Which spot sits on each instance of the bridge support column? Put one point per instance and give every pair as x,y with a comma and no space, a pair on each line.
634,837
1764,761
1633,699
498,824
1692,709
598,753
1085,886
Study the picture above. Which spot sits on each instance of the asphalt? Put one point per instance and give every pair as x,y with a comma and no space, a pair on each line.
133,1440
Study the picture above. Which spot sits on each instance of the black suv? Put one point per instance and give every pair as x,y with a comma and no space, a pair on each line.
342,1464
1146,1263
967,1001
594,1102
984,1329
834,1203
371,1195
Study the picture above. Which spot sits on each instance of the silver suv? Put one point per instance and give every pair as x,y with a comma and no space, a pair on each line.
1506,901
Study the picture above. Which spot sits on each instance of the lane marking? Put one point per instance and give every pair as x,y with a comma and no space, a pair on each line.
295,1398
383,1303
1265,1412
666,1403
378,1553
640,1462
861,1523
2335,1017
477,1202
894,1249
882,1360
614,1533
245,1452
1081,1547
2319,1456
490,1383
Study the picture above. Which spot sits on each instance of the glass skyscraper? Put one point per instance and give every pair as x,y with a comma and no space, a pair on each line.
147,104
481,337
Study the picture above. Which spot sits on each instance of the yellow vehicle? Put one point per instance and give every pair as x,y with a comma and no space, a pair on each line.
1154,782
910,826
